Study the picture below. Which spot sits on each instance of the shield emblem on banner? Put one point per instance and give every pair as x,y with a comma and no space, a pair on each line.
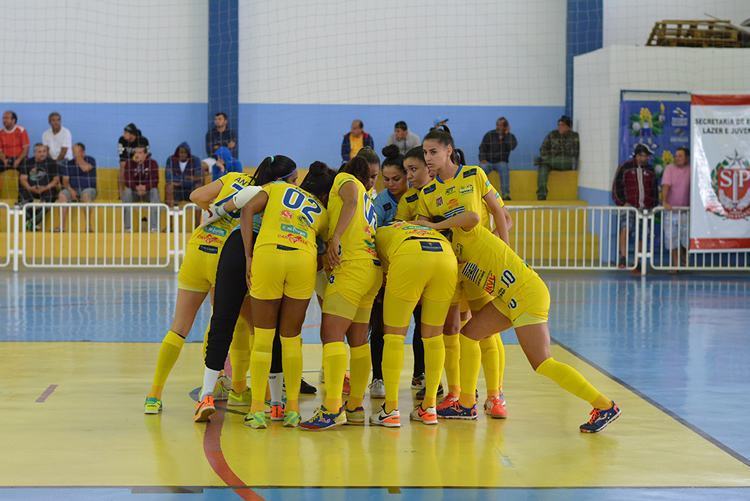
731,183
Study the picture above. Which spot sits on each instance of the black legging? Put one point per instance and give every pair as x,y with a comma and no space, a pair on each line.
377,329
229,293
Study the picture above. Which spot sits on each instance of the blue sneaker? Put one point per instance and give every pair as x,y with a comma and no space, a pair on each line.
457,411
323,420
600,419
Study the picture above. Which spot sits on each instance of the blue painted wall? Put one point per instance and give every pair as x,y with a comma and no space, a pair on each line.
584,34
308,132
99,125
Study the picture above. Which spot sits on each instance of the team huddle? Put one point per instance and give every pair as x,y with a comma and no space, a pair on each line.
433,245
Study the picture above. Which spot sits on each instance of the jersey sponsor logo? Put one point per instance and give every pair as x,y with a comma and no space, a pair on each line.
431,246
220,232
286,214
209,249
467,189
294,231
470,172
450,190
291,238
412,198
429,189
473,273
210,239
489,284
439,201
452,203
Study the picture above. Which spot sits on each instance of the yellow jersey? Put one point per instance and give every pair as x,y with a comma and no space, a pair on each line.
407,205
490,263
214,235
389,238
444,198
358,241
292,218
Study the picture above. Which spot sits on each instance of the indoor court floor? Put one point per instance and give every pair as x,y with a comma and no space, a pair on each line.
673,351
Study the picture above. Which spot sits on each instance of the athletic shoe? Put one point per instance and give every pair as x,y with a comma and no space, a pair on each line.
204,409
426,416
355,416
457,411
388,419
256,420
324,420
292,419
222,388
447,402
494,407
599,419
346,389
239,399
377,388
152,405
306,388
417,383
420,393
277,411
267,407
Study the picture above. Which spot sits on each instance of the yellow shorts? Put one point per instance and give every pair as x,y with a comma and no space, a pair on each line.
198,269
278,272
475,296
419,271
321,282
528,306
352,287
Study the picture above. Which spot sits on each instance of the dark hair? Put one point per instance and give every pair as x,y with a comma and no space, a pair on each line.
273,168
81,145
401,125
53,114
393,158
416,152
357,167
443,136
566,120
36,145
369,154
684,149
222,114
361,123
319,180
13,115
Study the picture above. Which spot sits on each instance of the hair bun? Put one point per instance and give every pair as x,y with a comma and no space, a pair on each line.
391,151
318,167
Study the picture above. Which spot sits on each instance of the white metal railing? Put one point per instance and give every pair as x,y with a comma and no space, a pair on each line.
577,238
111,235
191,215
6,235
669,239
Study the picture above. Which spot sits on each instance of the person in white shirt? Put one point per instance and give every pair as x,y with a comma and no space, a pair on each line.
403,138
58,139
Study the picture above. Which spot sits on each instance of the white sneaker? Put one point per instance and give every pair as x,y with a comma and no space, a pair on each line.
377,388
388,419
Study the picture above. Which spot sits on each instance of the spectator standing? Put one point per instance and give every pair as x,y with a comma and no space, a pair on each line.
39,181
221,135
355,140
675,186
14,142
141,184
131,138
224,163
183,174
559,151
494,153
78,182
635,185
403,138
58,140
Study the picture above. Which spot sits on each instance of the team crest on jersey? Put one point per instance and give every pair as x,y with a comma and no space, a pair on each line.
467,189
489,284
286,214
388,206
439,201
450,190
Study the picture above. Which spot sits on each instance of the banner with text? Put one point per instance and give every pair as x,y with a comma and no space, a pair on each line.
720,187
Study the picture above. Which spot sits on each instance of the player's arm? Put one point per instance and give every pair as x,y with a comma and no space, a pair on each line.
255,206
348,194
203,196
465,220
498,214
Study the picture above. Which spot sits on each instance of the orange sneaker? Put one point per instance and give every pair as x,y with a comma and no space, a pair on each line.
204,409
494,407
388,419
277,411
447,401
426,416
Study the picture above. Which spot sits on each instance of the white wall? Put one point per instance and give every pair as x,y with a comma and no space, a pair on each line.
104,51
602,74
474,52
629,22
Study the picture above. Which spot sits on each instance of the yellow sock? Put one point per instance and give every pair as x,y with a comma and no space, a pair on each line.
260,366
359,374
500,361
334,368
452,355
490,364
434,359
471,358
169,352
572,381
291,359
239,355
393,364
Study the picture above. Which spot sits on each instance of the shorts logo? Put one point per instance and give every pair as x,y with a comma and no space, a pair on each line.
467,189
439,201
489,285
208,249
219,232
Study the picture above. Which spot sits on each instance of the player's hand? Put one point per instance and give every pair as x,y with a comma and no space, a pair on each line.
333,252
428,224
208,216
